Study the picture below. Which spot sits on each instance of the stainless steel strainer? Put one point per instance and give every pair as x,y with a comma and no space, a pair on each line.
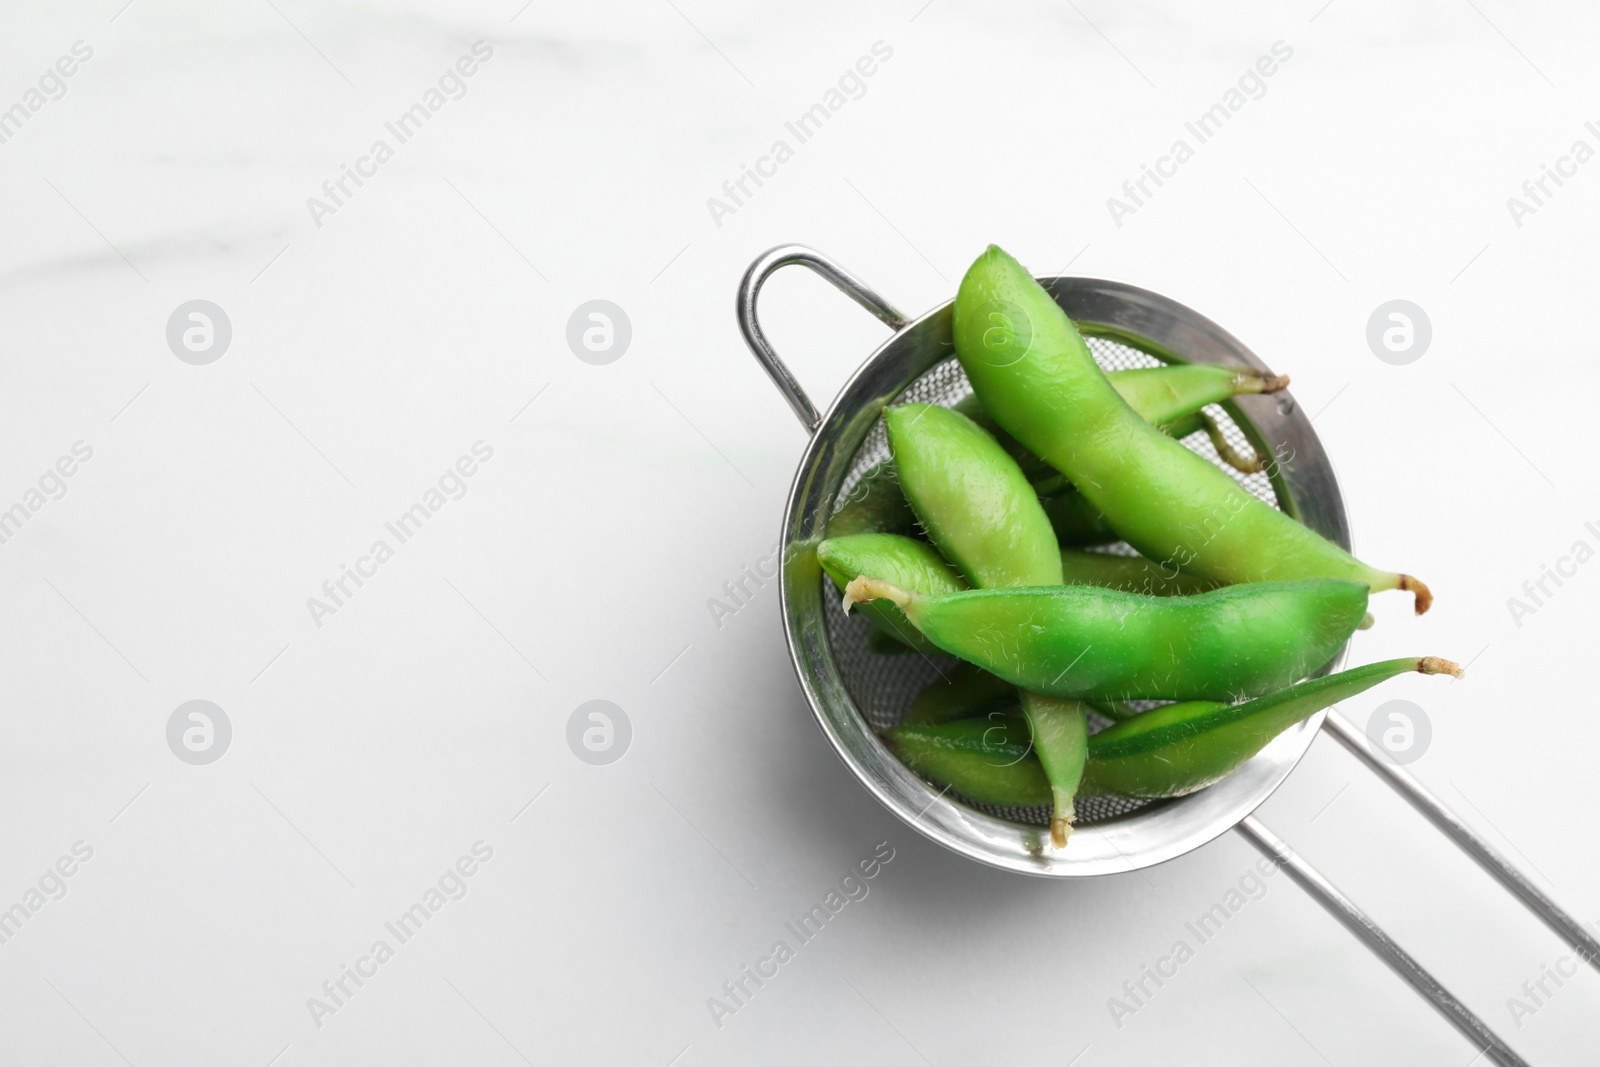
855,692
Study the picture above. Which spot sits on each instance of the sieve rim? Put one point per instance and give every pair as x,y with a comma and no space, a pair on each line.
1151,323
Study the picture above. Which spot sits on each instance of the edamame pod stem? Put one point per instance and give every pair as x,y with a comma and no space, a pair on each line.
1033,372
1165,752
1130,574
1199,421
1083,641
978,508
915,563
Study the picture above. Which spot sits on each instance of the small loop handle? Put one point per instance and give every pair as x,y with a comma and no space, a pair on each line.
750,325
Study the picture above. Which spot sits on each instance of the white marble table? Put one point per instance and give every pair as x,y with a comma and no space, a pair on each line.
398,371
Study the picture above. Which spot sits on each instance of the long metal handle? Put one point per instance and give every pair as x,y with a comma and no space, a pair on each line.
1452,827
1357,922
749,325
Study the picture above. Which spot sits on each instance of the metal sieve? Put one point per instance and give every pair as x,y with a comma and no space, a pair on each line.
854,691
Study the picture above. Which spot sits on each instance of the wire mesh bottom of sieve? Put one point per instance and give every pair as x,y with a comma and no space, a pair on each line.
883,686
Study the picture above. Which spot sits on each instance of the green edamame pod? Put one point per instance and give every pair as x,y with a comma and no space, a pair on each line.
968,691
1165,752
1130,574
1160,394
1078,522
1168,397
1036,376
978,507
1179,748
965,692
1060,739
916,563
971,498
1092,643
988,759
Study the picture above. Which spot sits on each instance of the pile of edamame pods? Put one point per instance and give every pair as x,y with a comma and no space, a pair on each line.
971,541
